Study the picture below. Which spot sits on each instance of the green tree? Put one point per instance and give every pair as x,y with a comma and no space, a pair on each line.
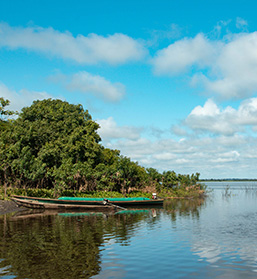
169,179
129,174
154,175
54,144
51,143
4,113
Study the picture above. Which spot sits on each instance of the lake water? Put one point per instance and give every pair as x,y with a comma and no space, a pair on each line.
211,238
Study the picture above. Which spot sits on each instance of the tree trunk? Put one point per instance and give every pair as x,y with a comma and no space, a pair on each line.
123,187
5,183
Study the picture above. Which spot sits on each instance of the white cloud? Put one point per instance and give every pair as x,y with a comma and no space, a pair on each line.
110,130
236,68
210,118
209,109
178,130
93,84
219,28
228,121
183,54
221,156
225,67
91,49
247,112
172,31
230,156
21,99
227,154
241,23
164,156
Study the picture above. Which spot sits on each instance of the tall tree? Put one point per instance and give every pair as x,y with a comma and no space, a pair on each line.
51,141
4,113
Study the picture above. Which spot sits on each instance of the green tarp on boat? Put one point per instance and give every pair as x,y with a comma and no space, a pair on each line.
102,199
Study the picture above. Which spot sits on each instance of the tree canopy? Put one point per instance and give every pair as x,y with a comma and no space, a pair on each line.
54,144
4,113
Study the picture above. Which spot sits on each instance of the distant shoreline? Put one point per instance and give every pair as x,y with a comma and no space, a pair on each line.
227,179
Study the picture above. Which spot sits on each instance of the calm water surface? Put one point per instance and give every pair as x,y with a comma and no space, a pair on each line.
211,238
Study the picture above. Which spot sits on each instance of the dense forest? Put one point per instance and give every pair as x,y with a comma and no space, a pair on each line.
55,145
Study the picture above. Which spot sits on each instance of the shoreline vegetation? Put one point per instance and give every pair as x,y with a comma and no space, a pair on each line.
196,191
52,149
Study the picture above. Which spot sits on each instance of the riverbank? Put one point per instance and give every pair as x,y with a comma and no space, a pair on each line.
8,207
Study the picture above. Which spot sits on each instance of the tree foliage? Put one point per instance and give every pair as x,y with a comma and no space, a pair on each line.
4,113
54,144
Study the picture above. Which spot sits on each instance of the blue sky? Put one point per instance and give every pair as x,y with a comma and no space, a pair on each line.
172,83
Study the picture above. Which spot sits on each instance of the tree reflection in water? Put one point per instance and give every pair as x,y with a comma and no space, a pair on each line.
184,207
57,246
69,246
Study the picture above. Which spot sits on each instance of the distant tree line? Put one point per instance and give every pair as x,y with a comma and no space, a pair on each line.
54,144
228,179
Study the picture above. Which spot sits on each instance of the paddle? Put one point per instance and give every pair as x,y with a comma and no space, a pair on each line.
106,202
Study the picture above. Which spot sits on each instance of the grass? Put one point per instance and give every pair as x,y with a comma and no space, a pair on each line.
51,193
181,192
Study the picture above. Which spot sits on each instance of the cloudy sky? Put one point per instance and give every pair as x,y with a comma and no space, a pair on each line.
173,84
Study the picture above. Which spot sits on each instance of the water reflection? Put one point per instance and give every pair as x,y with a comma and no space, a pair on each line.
213,238
49,248
52,245
225,237
184,207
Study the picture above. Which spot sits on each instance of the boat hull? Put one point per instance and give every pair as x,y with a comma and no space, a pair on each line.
125,202
36,203
83,203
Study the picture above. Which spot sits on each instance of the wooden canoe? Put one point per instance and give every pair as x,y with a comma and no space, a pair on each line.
84,203
125,202
41,203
